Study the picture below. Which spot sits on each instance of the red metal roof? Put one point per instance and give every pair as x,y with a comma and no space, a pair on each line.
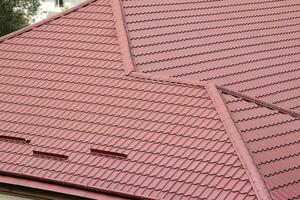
75,112
251,47
247,48
70,116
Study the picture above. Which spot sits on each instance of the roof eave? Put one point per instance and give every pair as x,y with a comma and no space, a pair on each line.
65,187
29,183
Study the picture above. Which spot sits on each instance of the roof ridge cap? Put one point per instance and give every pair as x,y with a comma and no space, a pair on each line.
167,79
238,143
32,26
123,36
258,102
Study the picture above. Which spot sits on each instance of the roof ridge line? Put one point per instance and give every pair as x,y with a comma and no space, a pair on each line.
123,36
239,145
32,26
167,79
258,102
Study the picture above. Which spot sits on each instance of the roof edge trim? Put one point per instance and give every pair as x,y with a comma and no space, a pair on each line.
259,102
237,141
53,188
62,184
189,82
32,26
122,33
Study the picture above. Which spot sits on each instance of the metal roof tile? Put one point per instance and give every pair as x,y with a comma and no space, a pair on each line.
167,45
73,96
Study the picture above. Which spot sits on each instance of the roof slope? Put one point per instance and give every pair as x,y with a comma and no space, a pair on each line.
274,140
69,115
251,47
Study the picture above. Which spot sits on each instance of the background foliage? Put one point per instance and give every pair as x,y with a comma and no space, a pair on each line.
15,14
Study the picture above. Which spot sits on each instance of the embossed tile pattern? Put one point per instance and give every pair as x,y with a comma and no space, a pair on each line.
252,47
274,140
68,114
